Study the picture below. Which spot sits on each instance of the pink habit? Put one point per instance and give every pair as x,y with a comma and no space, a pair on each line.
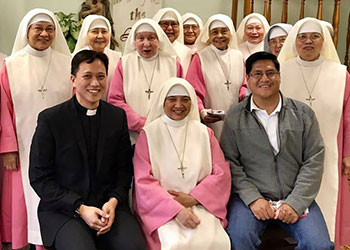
13,215
155,206
342,227
116,97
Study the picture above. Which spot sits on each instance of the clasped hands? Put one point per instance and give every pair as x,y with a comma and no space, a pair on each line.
186,216
262,210
100,220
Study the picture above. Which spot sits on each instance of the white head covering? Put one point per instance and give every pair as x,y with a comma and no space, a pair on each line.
157,106
282,30
203,39
177,17
329,26
41,18
21,40
242,25
145,28
178,90
90,22
289,51
164,44
189,16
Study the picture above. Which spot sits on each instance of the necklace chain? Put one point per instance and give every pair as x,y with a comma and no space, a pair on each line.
42,88
310,98
228,82
149,91
181,159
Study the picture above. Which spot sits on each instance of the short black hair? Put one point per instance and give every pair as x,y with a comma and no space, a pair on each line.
87,56
261,55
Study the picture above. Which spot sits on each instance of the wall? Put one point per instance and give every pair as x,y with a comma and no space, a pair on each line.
13,11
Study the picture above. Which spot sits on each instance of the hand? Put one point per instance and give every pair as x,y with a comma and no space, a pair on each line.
346,167
286,214
185,200
262,209
210,118
188,218
10,160
93,217
109,209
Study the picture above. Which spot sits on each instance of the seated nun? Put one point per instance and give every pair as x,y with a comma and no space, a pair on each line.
182,182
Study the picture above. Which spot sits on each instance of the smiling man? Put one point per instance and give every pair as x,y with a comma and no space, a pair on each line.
80,166
276,153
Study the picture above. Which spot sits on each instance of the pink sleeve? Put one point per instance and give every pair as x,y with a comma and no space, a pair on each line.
244,87
213,192
153,203
346,117
117,98
179,69
8,138
195,77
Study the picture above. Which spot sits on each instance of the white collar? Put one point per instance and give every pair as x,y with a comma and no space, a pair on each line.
91,112
254,107
314,63
147,59
38,53
172,122
219,52
253,45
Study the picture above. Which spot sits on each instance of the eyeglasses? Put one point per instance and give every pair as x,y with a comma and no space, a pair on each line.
277,40
190,26
38,29
313,37
259,74
165,24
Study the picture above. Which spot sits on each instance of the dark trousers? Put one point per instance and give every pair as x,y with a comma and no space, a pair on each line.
125,234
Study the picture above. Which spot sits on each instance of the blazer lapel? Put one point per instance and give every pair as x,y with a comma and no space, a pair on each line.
77,130
101,135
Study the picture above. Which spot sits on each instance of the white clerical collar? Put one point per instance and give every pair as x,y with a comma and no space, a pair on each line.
39,53
91,112
314,63
147,59
276,110
172,122
219,52
88,48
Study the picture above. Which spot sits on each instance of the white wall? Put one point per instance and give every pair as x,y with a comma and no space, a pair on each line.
14,10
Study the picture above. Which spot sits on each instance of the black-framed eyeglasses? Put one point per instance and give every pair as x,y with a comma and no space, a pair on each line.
259,74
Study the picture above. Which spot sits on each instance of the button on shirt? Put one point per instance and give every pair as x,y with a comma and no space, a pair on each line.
269,122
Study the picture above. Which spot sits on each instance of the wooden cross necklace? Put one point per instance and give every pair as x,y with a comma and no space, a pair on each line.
181,159
149,91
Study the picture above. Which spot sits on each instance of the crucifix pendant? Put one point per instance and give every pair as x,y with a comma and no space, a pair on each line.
42,91
227,83
149,92
310,99
182,169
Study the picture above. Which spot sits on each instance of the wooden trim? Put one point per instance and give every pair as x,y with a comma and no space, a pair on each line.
319,9
246,7
234,12
284,17
252,7
336,16
302,9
